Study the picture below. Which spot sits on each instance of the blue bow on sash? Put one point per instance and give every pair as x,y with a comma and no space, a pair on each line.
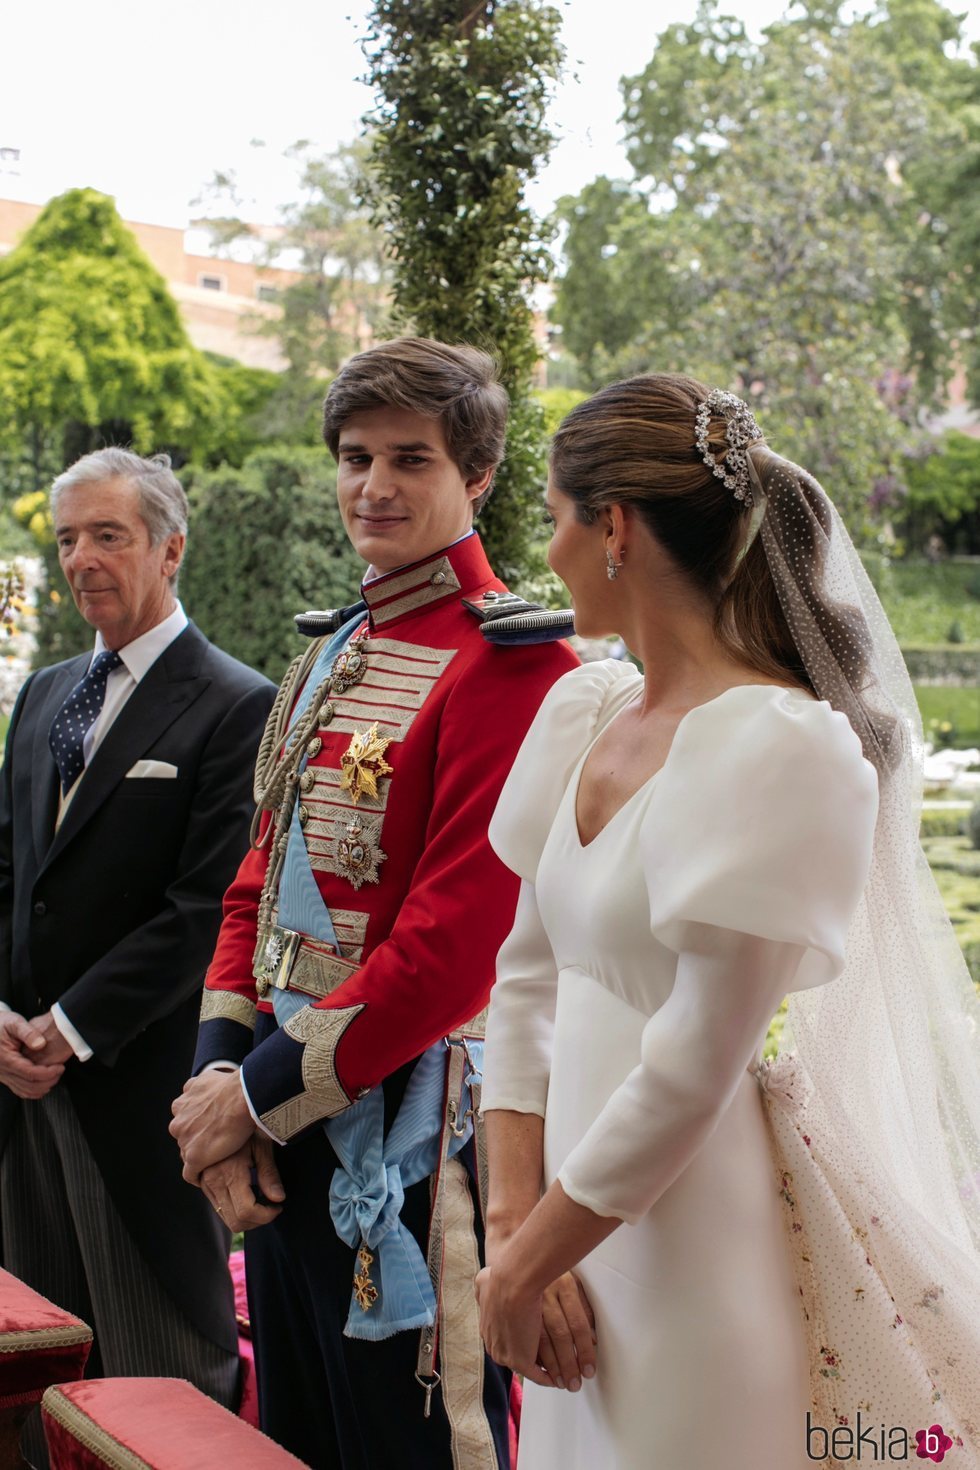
368,1190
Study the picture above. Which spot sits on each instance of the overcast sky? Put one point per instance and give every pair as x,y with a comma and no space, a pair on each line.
146,101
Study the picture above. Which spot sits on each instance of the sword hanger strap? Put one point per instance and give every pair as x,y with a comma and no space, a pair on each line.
480,1142
425,1372
475,1075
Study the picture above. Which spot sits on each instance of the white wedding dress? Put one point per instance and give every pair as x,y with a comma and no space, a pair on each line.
632,1002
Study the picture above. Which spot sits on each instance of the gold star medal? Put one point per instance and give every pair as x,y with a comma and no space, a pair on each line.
363,764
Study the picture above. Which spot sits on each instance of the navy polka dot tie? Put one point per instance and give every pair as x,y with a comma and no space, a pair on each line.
77,715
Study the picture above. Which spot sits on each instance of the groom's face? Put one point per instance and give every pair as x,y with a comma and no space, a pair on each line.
402,496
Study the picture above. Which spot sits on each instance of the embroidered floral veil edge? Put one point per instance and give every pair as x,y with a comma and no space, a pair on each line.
874,1101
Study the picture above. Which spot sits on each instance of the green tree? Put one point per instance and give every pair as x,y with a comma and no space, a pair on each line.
264,543
93,351
954,200
249,402
459,129
610,235
942,497
339,296
92,348
777,238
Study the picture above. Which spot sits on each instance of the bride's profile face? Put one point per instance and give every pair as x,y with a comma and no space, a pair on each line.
577,554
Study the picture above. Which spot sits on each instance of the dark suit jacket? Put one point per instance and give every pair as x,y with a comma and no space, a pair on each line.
115,917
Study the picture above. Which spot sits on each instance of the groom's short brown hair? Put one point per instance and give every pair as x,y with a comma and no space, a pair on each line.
458,385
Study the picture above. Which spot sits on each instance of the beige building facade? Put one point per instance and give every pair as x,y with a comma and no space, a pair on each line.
221,301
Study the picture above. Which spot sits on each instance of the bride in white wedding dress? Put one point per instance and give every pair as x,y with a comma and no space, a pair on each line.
779,1260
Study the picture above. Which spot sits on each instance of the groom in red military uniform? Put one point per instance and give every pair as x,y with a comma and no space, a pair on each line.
337,1068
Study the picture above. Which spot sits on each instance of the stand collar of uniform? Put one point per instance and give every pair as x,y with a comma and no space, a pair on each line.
461,567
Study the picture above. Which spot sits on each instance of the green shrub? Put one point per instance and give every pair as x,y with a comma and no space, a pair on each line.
973,825
61,630
556,403
950,714
941,822
923,598
955,855
947,663
943,495
971,953
265,542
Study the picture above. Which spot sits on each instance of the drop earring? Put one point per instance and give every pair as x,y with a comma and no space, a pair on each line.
613,567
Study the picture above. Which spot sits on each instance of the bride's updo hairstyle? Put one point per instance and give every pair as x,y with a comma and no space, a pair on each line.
633,443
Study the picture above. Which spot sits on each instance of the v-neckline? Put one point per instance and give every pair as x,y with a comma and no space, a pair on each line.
576,781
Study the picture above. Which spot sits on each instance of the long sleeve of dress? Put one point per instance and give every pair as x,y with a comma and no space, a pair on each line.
756,850
695,1051
522,1015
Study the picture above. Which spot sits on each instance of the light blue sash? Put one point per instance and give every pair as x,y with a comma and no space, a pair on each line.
368,1190
309,914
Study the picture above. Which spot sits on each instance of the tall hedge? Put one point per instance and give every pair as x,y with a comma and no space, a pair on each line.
459,129
265,542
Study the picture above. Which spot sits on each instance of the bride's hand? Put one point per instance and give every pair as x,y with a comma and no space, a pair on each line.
567,1345
511,1328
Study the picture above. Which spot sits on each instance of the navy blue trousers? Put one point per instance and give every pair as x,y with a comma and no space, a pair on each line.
335,1402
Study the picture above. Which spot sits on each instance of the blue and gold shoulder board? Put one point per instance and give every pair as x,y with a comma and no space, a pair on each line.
321,624
510,621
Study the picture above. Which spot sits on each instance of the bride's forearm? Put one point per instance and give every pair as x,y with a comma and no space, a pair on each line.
554,1237
515,1157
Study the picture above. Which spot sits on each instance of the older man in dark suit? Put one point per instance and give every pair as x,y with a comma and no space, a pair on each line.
124,808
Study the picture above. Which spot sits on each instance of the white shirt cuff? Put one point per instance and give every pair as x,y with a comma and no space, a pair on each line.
220,1066
255,1117
78,1044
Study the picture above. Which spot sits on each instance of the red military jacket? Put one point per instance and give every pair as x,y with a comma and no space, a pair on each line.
419,901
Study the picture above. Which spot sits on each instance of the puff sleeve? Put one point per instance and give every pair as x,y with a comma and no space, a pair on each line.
571,715
522,1004
756,847
762,824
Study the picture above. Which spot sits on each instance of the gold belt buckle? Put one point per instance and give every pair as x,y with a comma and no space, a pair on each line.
275,954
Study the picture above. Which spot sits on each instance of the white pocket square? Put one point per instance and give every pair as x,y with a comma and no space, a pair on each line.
153,768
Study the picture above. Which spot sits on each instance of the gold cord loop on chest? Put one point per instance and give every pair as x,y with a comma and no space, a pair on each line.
281,754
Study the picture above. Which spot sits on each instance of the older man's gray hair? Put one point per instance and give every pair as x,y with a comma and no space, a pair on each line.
162,502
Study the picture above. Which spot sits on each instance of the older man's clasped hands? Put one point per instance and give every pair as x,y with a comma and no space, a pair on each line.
32,1054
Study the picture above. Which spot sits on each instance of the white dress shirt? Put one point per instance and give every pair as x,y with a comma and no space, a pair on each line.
138,658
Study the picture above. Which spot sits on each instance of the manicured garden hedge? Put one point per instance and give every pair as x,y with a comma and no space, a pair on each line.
265,542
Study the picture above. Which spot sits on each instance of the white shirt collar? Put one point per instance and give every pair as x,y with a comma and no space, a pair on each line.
372,574
140,655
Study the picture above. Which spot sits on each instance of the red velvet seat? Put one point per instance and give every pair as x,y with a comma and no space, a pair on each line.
39,1344
150,1424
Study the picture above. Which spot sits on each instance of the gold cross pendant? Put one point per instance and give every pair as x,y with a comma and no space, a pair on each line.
365,1290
